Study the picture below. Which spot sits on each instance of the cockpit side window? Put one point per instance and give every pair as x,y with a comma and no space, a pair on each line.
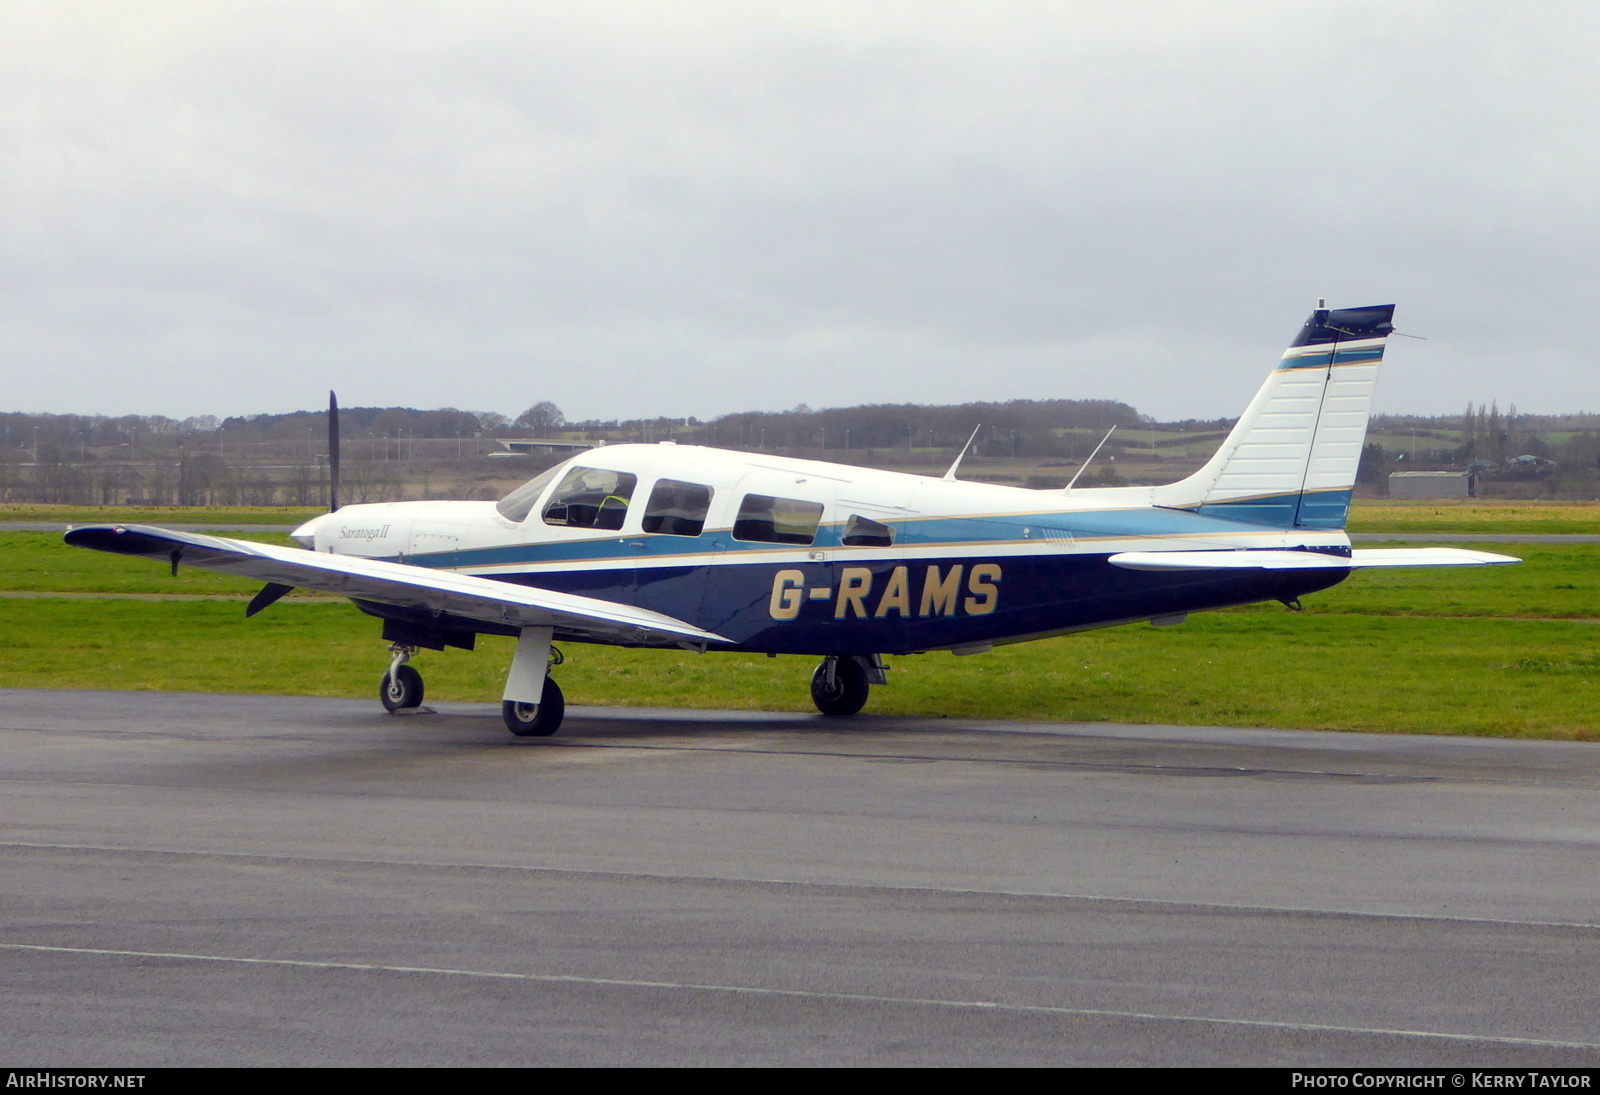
591,498
767,520
677,509
520,502
860,531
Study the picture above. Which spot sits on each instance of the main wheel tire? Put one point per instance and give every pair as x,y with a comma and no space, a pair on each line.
527,720
405,690
849,692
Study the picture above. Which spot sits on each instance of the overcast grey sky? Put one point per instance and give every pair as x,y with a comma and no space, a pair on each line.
694,208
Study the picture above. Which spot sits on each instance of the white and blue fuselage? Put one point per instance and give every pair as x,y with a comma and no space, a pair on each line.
947,565
677,545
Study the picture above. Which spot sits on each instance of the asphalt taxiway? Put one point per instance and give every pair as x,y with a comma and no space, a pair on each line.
196,879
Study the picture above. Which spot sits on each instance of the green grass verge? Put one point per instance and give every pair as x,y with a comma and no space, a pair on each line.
42,562
157,515
1508,678
1476,515
1555,581
1494,651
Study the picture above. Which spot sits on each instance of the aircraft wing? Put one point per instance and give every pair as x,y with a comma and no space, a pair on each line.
437,591
1275,559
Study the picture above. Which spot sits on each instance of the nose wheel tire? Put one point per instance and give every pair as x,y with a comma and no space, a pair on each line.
540,720
400,690
848,692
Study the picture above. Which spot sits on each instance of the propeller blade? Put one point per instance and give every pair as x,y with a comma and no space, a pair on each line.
333,452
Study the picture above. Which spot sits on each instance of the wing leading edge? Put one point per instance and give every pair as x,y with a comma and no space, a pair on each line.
437,591
1268,559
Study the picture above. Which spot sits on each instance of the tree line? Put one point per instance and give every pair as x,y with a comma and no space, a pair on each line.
277,459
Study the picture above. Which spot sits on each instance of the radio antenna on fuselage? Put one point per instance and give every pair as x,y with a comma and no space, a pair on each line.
951,474
1092,455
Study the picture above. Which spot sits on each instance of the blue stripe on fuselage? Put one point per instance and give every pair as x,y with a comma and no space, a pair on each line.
1323,509
1034,591
1214,519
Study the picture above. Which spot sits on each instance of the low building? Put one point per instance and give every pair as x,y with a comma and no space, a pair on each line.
524,446
1433,484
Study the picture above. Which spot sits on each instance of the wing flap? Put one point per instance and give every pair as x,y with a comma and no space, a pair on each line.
437,591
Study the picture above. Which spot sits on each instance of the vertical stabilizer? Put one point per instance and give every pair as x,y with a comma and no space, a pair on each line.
1292,459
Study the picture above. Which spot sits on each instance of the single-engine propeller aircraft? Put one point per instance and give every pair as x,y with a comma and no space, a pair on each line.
681,546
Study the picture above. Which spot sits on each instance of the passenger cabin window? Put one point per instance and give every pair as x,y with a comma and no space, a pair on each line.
591,498
677,509
862,532
766,520
520,502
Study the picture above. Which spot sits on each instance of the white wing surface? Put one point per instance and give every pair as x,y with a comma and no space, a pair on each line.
437,591
1426,557
1305,560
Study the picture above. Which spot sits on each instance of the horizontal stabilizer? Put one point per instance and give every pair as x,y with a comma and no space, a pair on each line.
1426,557
436,591
1274,559
1228,560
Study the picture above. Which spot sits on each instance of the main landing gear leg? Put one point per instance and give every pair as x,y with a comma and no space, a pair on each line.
533,705
841,683
401,687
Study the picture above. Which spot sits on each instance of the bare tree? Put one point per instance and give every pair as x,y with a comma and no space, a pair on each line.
491,422
199,475
541,418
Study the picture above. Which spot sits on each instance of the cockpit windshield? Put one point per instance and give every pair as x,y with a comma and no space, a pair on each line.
519,503
591,498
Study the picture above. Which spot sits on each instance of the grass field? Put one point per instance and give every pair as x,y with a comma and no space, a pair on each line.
1477,515
157,515
40,562
1505,651
1495,677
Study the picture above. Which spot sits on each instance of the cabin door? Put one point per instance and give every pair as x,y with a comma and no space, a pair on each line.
773,572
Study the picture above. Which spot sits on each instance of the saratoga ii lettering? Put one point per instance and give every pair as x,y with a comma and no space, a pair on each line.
939,592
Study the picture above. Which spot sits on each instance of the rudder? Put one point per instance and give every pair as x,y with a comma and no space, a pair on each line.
1291,460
